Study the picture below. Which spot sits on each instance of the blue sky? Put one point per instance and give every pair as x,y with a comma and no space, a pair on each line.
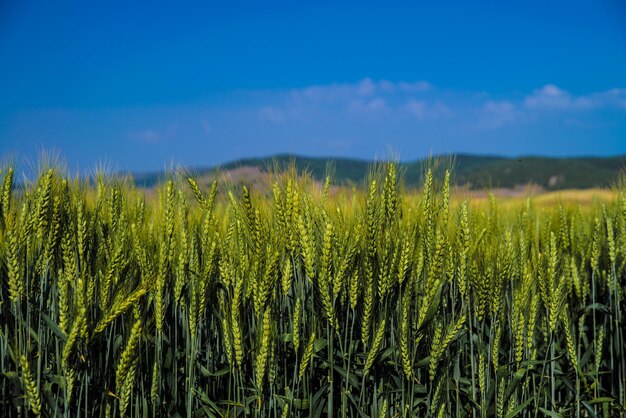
142,85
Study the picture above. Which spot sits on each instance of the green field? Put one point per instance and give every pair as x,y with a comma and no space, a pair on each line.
305,299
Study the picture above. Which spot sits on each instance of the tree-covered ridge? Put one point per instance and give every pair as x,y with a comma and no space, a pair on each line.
473,170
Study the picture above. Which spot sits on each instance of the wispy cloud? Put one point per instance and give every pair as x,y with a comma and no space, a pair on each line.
414,87
376,105
421,109
420,102
347,92
146,136
271,114
496,114
353,119
365,98
207,128
551,97
417,108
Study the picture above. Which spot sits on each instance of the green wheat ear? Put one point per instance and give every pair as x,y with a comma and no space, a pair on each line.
30,386
299,297
7,191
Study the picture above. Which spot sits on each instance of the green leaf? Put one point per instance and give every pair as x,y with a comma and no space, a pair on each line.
589,409
432,308
601,400
54,327
550,413
597,307
319,344
384,355
11,375
319,400
231,403
204,398
356,405
519,408
350,377
301,404
207,373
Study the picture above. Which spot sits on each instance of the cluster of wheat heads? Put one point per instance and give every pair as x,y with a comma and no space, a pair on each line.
305,300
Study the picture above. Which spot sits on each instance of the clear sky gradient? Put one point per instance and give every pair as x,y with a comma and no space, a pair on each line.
140,85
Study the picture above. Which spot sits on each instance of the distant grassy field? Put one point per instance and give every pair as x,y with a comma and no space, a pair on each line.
508,197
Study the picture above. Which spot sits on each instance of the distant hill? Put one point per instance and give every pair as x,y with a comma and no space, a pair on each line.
476,171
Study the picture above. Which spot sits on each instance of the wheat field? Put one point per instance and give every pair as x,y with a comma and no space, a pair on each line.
306,300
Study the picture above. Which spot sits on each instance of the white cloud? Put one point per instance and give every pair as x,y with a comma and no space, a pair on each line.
207,128
401,101
147,136
375,105
615,98
414,87
420,109
386,86
548,97
496,114
503,107
555,98
345,92
365,87
417,108
440,109
272,114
